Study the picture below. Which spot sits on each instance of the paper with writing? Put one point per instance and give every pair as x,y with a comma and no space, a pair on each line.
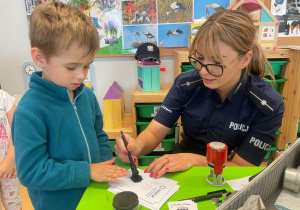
188,204
152,193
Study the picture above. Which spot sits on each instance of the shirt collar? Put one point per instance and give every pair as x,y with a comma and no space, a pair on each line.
237,91
37,82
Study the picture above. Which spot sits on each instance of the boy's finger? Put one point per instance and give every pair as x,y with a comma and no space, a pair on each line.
110,179
111,161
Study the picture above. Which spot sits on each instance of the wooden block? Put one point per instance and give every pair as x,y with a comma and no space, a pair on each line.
113,133
113,107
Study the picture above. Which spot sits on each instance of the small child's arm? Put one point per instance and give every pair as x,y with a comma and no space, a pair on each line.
7,165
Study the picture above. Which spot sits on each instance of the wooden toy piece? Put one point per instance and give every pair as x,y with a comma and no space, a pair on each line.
113,107
148,76
267,25
89,85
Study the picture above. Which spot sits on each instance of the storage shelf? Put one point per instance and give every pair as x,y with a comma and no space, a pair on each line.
139,96
127,127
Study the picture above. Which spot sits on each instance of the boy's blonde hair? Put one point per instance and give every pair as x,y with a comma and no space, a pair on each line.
56,26
237,30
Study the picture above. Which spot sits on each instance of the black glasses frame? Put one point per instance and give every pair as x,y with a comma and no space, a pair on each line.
205,66
221,66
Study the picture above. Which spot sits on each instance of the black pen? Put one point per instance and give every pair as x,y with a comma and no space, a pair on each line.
210,195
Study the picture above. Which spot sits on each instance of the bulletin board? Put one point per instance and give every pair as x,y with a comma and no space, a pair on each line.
123,25
289,18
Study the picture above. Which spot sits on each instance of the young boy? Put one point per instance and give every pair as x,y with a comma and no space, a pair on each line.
57,127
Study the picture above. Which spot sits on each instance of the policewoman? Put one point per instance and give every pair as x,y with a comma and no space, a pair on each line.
224,99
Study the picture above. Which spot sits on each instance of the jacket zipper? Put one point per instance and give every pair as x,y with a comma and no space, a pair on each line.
75,109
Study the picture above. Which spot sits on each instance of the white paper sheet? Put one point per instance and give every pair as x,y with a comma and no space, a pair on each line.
188,205
152,193
238,184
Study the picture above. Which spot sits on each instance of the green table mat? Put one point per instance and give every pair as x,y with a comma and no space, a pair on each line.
192,183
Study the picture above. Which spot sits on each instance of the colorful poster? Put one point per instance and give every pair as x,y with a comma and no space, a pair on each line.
135,35
105,15
170,11
173,35
156,22
287,12
125,24
204,9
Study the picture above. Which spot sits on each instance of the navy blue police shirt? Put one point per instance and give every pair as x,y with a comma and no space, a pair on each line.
246,120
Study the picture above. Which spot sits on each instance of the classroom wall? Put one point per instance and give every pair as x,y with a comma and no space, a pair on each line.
15,50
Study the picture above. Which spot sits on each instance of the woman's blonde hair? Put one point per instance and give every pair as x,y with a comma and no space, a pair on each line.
237,30
56,26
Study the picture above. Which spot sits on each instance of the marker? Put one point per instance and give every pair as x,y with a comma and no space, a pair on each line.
209,195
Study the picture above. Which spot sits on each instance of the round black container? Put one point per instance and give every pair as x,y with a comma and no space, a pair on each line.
126,200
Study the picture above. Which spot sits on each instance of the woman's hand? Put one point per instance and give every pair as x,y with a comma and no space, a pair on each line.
132,146
173,163
106,171
7,169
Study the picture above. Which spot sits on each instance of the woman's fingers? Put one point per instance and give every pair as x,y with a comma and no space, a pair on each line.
169,163
121,151
159,166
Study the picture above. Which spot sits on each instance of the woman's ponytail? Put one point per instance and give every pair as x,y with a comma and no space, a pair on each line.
259,64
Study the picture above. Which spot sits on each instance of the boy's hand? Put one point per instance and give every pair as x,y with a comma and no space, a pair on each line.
7,169
106,171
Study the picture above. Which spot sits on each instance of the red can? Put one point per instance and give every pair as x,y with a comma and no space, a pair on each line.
216,155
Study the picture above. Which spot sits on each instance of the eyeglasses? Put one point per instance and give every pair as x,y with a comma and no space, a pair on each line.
213,69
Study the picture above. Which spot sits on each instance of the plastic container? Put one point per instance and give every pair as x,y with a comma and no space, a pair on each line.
126,200
143,125
166,145
276,66
147,160
186,66
273,148
277,82
146,112
112,144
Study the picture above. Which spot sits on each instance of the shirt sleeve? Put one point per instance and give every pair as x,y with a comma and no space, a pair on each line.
261,136
171,107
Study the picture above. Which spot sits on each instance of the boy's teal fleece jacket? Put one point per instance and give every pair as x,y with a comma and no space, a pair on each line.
55,141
